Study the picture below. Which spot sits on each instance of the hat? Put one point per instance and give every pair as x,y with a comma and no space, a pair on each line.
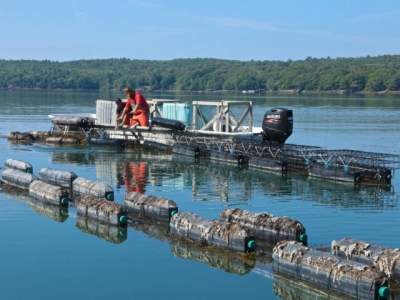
117,100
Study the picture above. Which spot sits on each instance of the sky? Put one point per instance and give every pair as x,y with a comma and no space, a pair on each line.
65,30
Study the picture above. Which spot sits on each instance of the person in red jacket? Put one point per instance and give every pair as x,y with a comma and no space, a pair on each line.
138,106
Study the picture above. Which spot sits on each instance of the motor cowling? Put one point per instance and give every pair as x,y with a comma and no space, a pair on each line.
277,124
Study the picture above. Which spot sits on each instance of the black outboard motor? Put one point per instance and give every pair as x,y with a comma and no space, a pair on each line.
277,124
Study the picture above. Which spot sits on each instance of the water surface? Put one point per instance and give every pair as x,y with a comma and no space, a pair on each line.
55,255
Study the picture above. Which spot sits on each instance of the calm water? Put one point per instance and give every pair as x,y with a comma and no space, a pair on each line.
48,254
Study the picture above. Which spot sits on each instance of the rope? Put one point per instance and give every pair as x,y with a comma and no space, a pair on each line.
357,287
231,148
276,153
329,280
246,150
258,152
346,165
326,162
219,146
307,157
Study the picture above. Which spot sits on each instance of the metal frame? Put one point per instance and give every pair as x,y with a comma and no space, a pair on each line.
224,111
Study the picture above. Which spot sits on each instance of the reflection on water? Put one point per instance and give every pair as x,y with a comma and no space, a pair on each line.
209,181
287,288
70,156
327,192
231,262
134,176
229,182
113,234
348,196
56,213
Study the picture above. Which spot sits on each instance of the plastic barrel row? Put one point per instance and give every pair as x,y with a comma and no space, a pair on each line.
14,175
332,272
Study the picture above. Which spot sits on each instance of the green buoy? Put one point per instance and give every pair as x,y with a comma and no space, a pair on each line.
303,238
384,292
64,201
123,220
251,244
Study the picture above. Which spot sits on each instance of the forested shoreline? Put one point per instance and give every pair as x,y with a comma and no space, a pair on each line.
344,75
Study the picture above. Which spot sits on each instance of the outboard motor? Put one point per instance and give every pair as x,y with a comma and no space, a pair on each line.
277,124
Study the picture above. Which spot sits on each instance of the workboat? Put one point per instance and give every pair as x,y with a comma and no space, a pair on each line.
224,131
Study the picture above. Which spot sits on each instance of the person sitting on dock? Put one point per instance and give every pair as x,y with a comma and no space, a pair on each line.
139,108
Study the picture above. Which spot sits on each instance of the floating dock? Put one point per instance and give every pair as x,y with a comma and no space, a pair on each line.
223,131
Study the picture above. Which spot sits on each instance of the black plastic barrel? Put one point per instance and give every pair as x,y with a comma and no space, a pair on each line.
156,145
278,124
168,123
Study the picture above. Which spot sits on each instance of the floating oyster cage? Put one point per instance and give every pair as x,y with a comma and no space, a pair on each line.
357,166
249,145
300,156
67,124
360,159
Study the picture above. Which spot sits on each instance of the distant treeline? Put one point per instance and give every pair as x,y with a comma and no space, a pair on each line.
381,73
